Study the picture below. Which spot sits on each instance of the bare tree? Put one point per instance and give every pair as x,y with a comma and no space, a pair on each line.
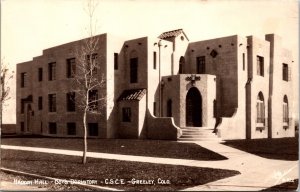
88,78
6,76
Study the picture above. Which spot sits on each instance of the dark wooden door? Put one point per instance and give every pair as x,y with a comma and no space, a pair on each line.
193,108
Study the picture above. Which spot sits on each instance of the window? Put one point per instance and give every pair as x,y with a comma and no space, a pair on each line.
22,106
71,68
215,108
154,108
244,62
260,109
93,100
71,128
23,79
260,66
285,111
92,63
285,72
22,126
40,103
201,65
52,128
126,114
169,108
134,70
70,101
181,63
52,71
40,74
93,129
116,64
52,102
154,60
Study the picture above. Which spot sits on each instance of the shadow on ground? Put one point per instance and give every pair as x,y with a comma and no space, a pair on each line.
279,148
287,186
151,148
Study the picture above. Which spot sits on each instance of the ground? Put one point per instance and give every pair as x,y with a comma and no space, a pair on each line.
128,159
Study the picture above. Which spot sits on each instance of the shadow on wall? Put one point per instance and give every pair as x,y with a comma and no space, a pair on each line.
162,128
8,129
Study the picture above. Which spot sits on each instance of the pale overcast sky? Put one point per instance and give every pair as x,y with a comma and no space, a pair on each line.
29,26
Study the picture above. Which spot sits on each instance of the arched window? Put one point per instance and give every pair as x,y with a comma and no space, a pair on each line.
181,64
169,108
260,108
285,110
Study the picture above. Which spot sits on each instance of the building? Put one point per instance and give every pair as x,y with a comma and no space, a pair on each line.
159,88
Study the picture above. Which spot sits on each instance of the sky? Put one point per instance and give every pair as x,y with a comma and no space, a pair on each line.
28,27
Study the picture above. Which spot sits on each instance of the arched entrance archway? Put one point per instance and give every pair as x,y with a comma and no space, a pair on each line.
193,108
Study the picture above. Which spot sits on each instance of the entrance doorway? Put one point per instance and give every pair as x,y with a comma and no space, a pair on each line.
193,108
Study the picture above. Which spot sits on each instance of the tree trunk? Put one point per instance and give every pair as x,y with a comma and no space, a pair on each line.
84,137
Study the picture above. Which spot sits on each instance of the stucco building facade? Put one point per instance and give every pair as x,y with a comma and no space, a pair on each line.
164,88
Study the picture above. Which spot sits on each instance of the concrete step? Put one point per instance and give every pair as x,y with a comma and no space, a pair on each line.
198,134
199,139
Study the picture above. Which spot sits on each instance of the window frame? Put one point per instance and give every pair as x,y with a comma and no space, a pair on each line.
24,77
52,71
260,65
285,72
71,101
260,111
201,65
71,67
52,102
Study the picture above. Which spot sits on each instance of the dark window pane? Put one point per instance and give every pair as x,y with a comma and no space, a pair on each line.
40,103
70,101
40,74
93,129
134,70
201,65
52,128
126,114
71,67
116,61
71,128
52,102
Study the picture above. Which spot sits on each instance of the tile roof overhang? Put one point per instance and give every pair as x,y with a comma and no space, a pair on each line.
173,33
132,95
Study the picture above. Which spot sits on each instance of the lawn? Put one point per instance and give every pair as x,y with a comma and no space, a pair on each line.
151,148
69,167
279,148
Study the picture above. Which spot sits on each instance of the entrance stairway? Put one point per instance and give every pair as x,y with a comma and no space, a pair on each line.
198,134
